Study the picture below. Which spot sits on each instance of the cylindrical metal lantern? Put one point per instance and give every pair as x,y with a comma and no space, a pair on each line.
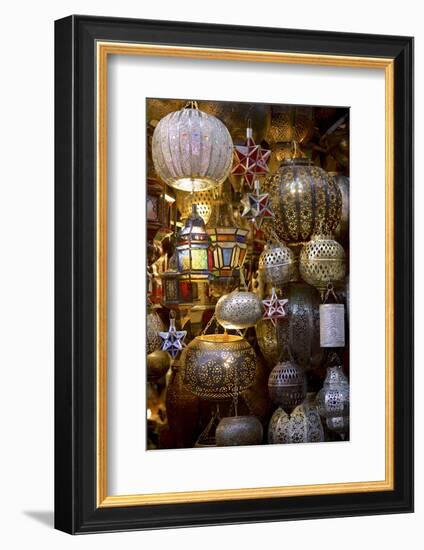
218,366
239,430
332,328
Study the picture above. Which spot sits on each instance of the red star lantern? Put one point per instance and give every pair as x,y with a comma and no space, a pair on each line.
250,160
274,308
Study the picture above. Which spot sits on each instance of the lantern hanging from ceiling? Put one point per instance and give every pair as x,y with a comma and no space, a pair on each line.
192,150
277,263
192,249
239,430
287,385
305,200
239,310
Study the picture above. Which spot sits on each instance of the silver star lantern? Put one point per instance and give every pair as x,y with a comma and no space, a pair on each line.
173,339
274,307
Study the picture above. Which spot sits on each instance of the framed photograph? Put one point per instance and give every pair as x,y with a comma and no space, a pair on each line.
234,274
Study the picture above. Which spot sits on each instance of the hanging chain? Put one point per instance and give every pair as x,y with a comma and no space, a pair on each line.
209,323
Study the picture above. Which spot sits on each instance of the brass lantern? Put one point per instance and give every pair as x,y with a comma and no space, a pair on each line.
192,150
305,200
277,263
239,430
153,326
218,366
322,261
239,310
192,249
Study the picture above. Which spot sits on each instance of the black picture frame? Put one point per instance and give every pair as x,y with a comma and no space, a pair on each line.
76,510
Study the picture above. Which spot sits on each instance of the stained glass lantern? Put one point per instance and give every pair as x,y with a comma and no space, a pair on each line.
192,249
228,242
192,150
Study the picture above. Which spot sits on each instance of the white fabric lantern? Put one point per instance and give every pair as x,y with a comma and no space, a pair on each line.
192,150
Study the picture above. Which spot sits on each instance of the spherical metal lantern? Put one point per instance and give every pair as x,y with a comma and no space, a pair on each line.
154,325
305,200
238,310
239,430
277,263
218,366
302,426
287,385
158,363
333,398
322,261
300,331
192,150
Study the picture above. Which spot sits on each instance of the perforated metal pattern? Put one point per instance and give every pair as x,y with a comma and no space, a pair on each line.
239,310
277,263
322,261
287,385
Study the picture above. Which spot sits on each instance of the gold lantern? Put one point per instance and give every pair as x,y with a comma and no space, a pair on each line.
305,201
322,261
290,123
218,366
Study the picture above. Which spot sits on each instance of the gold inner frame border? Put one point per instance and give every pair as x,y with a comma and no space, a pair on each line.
103,50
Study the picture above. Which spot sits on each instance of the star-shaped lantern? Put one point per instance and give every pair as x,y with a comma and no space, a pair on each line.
274,307
173,339
250,160
257,206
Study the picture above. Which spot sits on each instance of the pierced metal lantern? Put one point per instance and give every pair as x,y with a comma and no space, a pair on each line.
239,430
239,310
302,426
277,263
290,123
322,261
332,325
153,326
342,230
270,339
218,366
305,200
158,363
192,150
203,200
192,249
287,385
333,398
228,242
338,424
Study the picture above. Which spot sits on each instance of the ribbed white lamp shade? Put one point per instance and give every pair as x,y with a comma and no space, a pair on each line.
192,150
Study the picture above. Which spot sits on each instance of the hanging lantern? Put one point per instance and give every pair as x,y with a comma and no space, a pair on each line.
192,150
290,123
338,424
239,430
228,242
322,261
270,339
305,200
302,426
192,249
332,329
239,310
333,398
277,264
287,385
218,366
300,332
153,326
